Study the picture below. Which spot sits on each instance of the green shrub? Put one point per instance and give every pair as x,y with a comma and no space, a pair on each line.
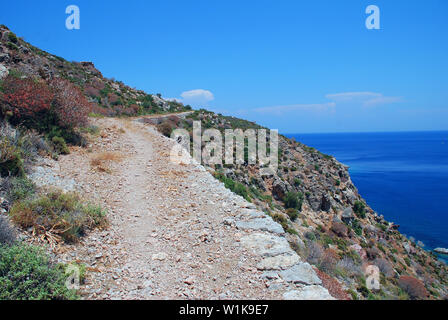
310,236
12,46
357,227
360,209
353,294
256,192
236,187
292,213
17,188
241,190
60,145
11,162
27,274
326,240
293,200
279,218
61,215
12,37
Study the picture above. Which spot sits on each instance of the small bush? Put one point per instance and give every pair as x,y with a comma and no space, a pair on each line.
373,253
18,149
292,213
27,274
236,187
57,215
60,146
69,104
12,46
360,209
293,200
413,287
328,262
241,190
17,188
27,100
339,229
55,109
315,252
12,37
11,163
165,128
357,227
348,267
280,219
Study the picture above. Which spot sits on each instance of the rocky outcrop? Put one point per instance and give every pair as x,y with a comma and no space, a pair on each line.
308,293
441,250
277,257
3,71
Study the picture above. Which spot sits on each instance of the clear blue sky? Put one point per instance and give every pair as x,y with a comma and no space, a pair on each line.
299,66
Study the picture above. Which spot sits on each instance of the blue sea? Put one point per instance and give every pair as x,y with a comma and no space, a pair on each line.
402,175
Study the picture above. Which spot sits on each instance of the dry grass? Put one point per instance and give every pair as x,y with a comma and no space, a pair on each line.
57,216
102,160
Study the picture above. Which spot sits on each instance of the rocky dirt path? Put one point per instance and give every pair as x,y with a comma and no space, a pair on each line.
176,232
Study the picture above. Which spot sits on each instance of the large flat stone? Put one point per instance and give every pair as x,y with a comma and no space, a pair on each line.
301,273
262,224
266,245
252,214
280,262
308,293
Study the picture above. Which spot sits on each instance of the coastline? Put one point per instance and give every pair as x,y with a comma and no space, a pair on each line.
386,176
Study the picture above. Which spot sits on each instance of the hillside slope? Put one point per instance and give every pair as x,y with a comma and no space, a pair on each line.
323,217
110,97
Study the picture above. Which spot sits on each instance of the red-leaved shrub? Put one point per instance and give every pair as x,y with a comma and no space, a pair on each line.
339,229
96,109
92,92
70,105
113,98
39,105
27,99
413,287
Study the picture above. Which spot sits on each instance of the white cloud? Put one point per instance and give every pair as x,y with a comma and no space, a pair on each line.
173,99
366,99
350,96
363,98
381,100
279,110
197,97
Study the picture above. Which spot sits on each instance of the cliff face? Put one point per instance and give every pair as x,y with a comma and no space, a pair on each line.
311,195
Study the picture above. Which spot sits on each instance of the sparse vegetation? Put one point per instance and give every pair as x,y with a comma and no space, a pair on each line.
293,200
57,216
27,274
359,209
413,287
102,160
